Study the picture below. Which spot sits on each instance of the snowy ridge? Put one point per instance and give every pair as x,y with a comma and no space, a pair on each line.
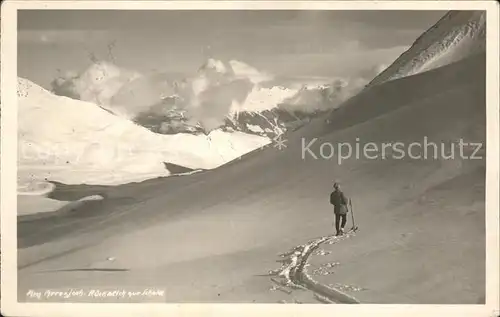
455,36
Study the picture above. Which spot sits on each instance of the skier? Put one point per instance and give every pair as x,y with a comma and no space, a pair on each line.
339,202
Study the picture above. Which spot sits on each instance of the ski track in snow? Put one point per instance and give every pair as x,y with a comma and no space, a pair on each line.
294,273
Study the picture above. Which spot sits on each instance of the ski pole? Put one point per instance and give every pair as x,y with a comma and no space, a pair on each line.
352,216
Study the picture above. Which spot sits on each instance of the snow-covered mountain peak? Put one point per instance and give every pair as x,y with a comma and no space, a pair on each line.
457,35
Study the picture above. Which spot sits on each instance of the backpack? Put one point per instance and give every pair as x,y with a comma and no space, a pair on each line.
337,198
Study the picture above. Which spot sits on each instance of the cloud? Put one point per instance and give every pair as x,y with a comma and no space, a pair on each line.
214,103
98,84
324,97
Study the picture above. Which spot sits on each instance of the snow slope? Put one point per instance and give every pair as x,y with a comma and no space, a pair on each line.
78,142
407,209
455,36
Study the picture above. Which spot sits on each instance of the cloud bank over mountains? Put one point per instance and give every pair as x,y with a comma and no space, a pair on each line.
218,89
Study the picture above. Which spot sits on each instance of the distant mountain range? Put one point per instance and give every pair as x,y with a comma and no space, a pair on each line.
231,96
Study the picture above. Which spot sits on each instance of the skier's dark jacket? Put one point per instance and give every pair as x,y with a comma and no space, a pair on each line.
339,201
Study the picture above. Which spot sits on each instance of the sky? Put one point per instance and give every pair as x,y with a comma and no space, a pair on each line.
291,43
